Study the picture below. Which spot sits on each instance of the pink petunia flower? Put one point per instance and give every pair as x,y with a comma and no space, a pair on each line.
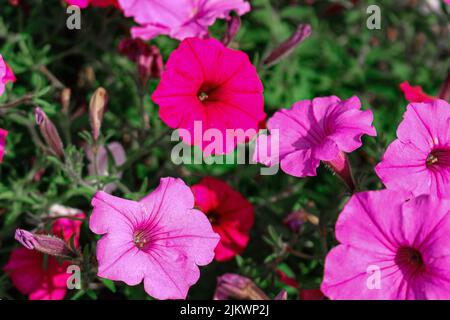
160,239
3,134
415,93
419,159
179,19
6,75
208,84
319,130
391,248
40,281
230,214
95,3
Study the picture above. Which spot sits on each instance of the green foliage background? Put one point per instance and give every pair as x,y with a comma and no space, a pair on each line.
342,57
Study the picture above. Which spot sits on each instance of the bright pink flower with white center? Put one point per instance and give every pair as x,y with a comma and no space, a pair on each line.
207,83
3,134
419,160
179,19
6,75
40,281
161,239
319,130
95,3
391,248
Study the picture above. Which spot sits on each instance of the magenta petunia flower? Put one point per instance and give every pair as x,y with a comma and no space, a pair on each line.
160,239
3,134
95,3
6,75
216,87
391,248
312,131
179,19
419,159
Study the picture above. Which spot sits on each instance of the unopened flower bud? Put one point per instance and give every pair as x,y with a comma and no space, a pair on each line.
282,295
295,220
234,286
65,100
96,111
233,26
49,132
302,32
43,243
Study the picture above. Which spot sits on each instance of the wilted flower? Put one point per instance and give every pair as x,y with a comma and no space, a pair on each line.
3,134
178,19
233,286
160,240
419,159
392,247
230,214
49,132
118,156
6,75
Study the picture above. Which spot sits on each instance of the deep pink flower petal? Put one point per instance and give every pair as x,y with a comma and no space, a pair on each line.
414,93
3,134
6,75
213,86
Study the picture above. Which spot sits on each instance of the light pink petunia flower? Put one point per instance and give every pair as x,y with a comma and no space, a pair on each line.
3,134
6,75
391,248
319,130
212,86
179,19
160,239
419,159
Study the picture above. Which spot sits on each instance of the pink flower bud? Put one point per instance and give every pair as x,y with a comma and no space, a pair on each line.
282,295
233,26
295,220
147,58
303,31
234,286
49,132
96,111
43,243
